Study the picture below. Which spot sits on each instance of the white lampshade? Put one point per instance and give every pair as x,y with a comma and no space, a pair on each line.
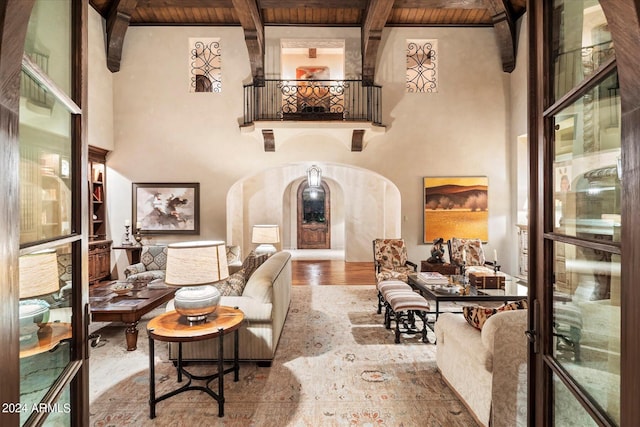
39,274
265,234
196,263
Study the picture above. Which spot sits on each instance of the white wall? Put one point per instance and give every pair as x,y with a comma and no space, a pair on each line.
100,87
163,133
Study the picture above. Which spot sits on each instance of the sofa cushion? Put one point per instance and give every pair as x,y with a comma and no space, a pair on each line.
232,285
476,316
251,263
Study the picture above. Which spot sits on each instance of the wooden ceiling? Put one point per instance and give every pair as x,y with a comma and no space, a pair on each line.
370,15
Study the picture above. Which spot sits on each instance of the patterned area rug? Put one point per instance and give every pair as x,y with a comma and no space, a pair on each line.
336,365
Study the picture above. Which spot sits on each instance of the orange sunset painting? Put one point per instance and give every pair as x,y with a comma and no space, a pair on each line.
456,207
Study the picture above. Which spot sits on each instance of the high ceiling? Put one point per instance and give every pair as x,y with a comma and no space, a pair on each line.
370,15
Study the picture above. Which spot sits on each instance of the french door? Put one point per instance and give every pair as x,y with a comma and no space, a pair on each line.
44,289
583,161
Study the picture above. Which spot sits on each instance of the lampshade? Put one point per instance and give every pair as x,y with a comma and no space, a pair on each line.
39,274
314,176
196,263
265,234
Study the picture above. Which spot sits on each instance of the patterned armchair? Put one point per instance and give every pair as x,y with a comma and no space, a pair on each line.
152,265
390,260
473,250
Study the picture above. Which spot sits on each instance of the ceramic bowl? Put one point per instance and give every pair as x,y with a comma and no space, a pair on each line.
122,288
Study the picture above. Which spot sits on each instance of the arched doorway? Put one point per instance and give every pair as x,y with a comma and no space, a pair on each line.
314,216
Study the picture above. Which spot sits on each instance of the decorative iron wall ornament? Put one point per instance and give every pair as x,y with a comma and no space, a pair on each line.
422,66
205,69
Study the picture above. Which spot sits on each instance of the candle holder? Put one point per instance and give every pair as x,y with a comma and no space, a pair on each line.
125,239
138,237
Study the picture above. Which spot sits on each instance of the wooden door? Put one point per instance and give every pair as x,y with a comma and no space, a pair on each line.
314,217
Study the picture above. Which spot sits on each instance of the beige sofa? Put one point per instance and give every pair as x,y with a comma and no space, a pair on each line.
265,303
487,369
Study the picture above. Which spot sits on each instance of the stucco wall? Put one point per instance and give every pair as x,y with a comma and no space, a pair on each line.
163,133
100,88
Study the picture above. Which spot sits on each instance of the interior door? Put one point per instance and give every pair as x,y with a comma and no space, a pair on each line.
314,216
576,266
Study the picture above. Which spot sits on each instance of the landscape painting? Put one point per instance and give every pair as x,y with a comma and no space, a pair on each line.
456,207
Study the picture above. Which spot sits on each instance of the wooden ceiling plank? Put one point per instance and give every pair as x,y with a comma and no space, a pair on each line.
375,18
186,3
504,26
440,4
313,4
117,25
251,22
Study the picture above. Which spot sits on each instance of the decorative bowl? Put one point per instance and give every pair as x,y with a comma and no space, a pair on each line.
122,288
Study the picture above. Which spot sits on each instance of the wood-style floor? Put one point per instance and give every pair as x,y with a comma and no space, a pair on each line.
320,273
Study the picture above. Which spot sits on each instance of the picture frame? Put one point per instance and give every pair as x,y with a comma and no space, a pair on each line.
456,206
166,208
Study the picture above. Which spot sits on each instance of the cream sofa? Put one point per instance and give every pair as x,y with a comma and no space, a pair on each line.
265,303
487,369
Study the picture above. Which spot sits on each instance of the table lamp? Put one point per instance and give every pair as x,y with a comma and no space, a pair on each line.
38,277
265,236
194,266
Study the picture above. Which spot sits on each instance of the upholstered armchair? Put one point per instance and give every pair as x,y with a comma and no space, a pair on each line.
390,260
460,248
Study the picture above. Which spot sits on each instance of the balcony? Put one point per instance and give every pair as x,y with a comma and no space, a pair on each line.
284,105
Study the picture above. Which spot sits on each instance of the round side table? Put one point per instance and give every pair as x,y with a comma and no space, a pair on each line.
172,327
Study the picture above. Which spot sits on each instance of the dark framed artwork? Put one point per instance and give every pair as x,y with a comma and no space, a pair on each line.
456,206
166,208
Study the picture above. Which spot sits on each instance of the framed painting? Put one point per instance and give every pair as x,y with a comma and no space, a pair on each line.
456,207
166,208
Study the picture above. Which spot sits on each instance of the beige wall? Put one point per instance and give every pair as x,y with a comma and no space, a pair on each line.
100,88
163,133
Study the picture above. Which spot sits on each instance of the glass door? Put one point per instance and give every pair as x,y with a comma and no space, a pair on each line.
579,285
52,348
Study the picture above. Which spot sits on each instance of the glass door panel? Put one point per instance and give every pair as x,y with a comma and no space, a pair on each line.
586,321
581,43
586,177
45,309
567,412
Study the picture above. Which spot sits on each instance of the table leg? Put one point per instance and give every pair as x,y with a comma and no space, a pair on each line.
221,373
236,363
131,334
180,362
437,309
152,381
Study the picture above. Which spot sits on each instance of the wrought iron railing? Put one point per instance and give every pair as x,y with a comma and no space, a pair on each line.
345,100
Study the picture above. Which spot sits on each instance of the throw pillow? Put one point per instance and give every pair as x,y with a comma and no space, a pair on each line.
476,316
232,285
251,263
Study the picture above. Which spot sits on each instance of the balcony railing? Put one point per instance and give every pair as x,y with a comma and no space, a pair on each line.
336,100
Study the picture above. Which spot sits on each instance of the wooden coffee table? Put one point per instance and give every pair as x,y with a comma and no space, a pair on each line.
106,306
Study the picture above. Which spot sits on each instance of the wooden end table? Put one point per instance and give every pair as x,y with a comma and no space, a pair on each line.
172,327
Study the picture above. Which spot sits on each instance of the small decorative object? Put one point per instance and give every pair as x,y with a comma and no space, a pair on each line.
122,288
195,266
265,236
125,239
138,236
437,251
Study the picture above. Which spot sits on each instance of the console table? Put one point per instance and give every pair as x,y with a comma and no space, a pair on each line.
172,327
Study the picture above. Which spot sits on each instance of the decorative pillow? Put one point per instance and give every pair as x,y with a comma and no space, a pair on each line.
477,315
251,263
232,285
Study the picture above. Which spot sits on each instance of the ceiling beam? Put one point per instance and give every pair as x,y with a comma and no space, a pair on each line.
117,25
251,21
504,26
440,4
373,22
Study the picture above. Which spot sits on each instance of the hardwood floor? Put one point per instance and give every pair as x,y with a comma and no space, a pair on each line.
321,273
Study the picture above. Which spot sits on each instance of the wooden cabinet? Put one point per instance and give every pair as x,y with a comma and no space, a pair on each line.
99,261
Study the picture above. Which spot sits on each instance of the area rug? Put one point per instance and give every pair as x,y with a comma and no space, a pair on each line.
336,365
